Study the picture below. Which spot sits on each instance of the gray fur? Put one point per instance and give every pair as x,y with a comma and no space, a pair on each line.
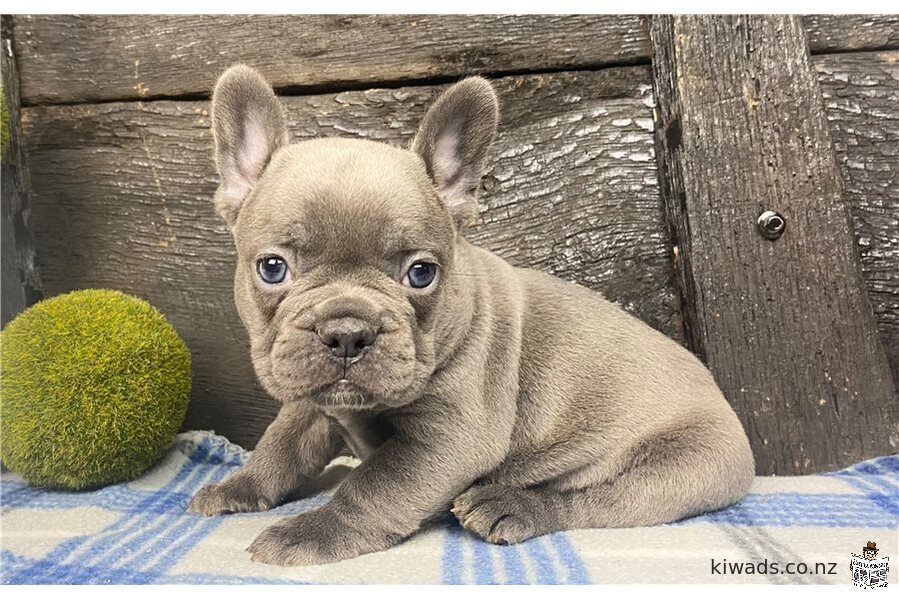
524,403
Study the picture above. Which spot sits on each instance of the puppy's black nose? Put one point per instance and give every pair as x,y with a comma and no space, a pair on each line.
347,337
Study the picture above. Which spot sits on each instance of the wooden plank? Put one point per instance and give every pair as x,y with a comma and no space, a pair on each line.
846,33
784,325
20,285
89,58
114,57
123,200
861,101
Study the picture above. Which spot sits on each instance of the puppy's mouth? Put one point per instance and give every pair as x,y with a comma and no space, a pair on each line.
353,388
300,367
343,394
347,362
337,392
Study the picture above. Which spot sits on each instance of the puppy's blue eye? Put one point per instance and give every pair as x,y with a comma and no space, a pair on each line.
272,269
422,274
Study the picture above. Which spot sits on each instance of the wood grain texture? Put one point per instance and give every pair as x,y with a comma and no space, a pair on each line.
71,59
785,325
88,58
123,200
861,100
20,285
846,33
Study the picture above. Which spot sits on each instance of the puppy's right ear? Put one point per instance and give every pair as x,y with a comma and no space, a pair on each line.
249,124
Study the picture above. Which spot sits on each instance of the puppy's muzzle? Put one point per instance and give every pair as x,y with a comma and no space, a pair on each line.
347,338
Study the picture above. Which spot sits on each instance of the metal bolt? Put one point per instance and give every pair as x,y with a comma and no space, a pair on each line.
771,224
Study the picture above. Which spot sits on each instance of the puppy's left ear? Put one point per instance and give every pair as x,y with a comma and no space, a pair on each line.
453,141
249,124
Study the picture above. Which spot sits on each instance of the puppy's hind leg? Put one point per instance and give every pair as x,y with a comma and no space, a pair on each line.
672,477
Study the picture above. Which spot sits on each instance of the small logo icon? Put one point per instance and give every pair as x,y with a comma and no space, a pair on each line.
868,571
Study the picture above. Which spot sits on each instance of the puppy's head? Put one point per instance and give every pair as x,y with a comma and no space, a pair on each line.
346,247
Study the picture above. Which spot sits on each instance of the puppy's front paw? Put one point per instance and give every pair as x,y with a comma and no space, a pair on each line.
499,514
237,494
316,537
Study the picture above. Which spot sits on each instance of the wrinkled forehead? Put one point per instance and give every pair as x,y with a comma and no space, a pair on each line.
346,199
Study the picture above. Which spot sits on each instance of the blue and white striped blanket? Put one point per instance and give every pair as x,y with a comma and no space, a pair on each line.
139,532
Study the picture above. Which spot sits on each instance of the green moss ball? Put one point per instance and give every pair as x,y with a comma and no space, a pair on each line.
4,123
95,386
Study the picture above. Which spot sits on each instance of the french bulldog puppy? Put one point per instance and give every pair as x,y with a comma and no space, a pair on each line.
523,403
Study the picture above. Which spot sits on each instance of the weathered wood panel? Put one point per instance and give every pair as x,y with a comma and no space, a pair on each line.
123,201
784,325
20,284
844,33
88,58
861,100
112,57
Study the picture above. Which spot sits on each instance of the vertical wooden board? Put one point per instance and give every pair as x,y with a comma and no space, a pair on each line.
124,201
20,286
861,99
784,325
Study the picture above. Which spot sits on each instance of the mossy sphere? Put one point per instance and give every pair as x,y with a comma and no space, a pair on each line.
95,386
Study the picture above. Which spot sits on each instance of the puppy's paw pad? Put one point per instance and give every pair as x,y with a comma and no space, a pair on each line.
508,530
228,498
497,514
317,537
279,545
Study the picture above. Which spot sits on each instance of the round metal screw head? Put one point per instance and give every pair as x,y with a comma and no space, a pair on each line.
771,224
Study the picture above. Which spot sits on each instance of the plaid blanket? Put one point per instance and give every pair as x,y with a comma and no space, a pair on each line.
800,530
